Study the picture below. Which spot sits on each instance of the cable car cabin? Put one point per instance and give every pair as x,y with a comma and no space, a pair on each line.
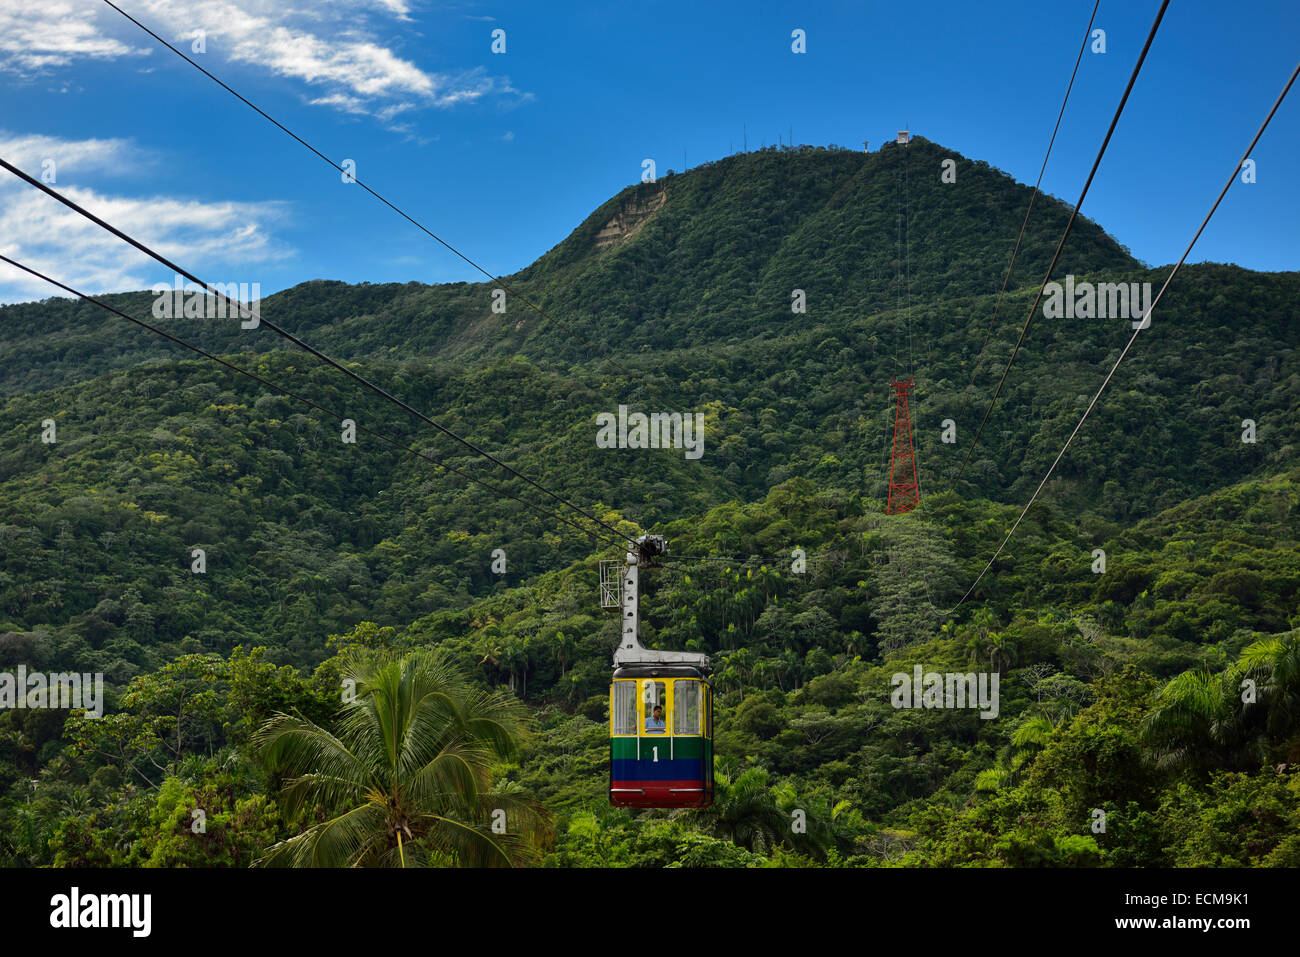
660,737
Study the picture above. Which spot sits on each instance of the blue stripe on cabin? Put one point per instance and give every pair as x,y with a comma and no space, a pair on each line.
681,769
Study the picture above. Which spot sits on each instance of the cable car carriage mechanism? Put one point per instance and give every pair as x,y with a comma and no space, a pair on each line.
660,703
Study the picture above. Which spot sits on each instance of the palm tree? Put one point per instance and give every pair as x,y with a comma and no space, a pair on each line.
990,780
514,658
725,676
1274,663
1028,739
1002,652
1111,615
742,660
766,669
745,812
565,648
406,781
488,645
1194,723
981,623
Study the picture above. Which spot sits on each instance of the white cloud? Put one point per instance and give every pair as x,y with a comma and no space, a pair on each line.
220,241
36,37
398,8
333,47
112,156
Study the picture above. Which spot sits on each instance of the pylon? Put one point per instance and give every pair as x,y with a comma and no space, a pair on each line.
904,492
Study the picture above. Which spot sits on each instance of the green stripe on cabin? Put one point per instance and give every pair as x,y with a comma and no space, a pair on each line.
682,748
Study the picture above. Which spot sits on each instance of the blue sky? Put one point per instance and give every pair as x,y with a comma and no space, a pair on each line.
504,154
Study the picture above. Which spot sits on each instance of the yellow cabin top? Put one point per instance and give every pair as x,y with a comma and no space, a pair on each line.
683,705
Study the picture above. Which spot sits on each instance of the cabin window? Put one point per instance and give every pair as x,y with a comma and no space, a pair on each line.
623,707
656,697
686,707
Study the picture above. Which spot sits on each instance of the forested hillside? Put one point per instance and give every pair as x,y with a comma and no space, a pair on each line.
327,560
715,261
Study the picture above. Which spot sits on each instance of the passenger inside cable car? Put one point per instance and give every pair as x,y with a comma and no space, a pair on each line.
655,723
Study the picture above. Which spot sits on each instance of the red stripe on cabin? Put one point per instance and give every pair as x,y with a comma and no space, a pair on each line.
659,793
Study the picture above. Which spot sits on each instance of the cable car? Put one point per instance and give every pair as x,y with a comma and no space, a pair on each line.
660,704
660,736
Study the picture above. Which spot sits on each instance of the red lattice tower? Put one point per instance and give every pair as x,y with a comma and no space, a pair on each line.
904,492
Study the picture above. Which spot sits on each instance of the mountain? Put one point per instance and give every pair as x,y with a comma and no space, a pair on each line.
691,278
705,257
675,296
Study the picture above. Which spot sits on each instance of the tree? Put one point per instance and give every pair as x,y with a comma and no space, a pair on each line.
1275,664
1028,739
407,778
1002,652
981,624
178,710
1193,723
745,811
565,648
